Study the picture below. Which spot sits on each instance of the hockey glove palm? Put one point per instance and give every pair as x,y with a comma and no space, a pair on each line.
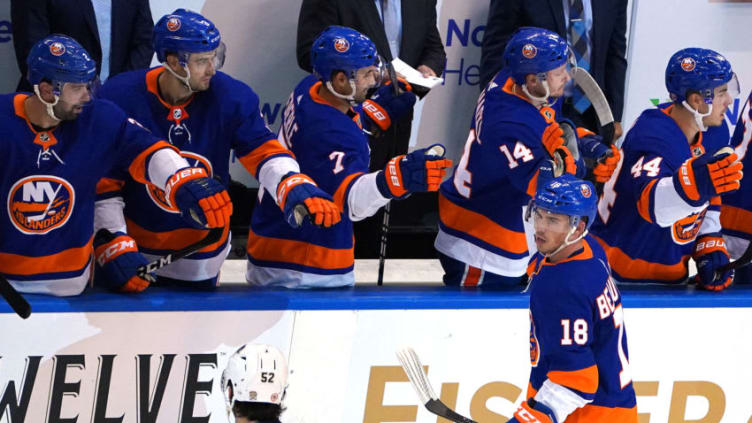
297,190
203,202
710,254
385,106
420,171
700,178
118,261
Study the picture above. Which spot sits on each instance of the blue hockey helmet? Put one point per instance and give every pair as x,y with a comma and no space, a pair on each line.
534,50
339,48
699,70
184,32
59,59
570,196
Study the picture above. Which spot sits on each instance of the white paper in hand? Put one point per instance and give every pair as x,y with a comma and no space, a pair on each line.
414,76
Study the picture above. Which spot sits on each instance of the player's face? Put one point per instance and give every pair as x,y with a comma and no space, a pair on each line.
73,98
202,67
365,79
557,80
551,229
722,99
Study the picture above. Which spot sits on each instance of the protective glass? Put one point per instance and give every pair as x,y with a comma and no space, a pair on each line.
547,222
216,58
78,93
378,72
728,93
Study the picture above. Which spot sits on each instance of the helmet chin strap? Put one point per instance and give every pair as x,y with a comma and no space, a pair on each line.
567,242
350,97
539,101
186,80
48,106
699,116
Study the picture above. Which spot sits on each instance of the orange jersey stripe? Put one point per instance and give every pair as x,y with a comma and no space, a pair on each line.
298,252
736,219
481,227
172,240
584,380
339,195
596,413
643,205
68,260
137,169
109,185
251,160
642,269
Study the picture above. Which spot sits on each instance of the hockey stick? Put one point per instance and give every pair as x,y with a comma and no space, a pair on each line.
418,378
384,231
213,236
602,110
17,302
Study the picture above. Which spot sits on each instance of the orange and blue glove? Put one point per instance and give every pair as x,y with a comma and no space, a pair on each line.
420,171
531,411
118,261
605,157
298,189
703,177
203,202
710,255
385,106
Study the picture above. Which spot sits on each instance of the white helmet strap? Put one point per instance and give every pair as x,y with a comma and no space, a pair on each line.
539,101
186,80
349,97
48,106
567,242
699,116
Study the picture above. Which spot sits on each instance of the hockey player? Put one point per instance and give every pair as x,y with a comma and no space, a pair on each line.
578,340
57,144
481,238
324,131
254,384
205,113
736,210
663,203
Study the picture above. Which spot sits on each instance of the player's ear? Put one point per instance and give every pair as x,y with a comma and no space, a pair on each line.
46,91
695,100
531,80
340,81
173,62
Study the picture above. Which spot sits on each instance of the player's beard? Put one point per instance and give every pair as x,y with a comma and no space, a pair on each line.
66,111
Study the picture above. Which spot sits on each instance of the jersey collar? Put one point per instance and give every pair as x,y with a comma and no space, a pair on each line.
45,139
315,96
177,113
695,149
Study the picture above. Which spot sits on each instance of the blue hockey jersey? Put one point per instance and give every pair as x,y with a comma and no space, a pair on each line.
578,337
642,245
48,184
331,148
205,128
481,206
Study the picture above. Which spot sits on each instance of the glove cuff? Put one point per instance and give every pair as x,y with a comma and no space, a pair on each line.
538,413
389,181
114,248
288,182
179,178
709,243
377,114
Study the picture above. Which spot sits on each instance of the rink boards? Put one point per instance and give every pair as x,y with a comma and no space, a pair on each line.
158,357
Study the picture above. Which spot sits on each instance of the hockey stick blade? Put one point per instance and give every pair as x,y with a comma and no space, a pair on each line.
17,302
602,110
213,236
419,380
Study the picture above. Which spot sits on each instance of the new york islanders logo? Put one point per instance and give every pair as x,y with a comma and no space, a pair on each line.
57,48
685,230
534,345
341,44
173,24
585,191
39,204
158,196
529,51
688,64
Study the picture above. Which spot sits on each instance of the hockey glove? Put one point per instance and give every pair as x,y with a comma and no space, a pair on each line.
535,413
700,178
710,254
385,107
552,138
118,261
297,189
565,163
605,157
203,202
420,171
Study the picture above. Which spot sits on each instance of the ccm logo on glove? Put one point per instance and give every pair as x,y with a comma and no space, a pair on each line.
118,246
